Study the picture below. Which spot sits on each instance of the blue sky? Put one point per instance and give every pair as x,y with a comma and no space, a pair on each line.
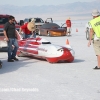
39,2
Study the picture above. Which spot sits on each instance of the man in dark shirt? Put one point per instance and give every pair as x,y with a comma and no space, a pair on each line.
11,38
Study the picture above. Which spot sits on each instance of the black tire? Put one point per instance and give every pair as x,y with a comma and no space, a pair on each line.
87,34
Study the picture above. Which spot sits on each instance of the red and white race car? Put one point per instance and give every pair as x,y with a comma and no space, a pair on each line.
42,48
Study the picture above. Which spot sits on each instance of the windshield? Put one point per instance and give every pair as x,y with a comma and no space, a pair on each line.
38,20
3,20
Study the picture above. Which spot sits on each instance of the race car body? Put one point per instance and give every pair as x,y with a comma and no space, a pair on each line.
42,48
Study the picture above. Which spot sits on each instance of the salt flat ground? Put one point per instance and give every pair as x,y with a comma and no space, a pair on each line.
34,79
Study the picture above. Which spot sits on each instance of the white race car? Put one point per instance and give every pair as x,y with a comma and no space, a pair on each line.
42,48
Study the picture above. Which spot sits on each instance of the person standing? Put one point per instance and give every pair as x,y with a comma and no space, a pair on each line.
28,29
11,38
68,24
95,34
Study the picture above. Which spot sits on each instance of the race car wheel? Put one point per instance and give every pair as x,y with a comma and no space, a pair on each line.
87,34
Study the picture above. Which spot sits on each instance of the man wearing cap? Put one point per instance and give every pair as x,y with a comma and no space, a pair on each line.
95,34
28,29
68,24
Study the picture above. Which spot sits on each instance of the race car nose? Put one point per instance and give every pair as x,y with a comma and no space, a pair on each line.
68,55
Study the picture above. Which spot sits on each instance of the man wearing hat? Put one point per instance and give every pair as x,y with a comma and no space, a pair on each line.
28,29
68,24
95,34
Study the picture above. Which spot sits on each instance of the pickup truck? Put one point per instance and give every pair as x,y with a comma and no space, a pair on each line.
38,22
3,20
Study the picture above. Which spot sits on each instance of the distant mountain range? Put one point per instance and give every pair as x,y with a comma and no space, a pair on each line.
76,10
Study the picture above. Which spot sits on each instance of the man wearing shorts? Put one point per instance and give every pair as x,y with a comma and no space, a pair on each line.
95,32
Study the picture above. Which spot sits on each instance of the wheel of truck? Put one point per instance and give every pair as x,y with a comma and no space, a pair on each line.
87,34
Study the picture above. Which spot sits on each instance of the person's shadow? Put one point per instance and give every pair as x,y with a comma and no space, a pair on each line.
75,61
13,66
78,60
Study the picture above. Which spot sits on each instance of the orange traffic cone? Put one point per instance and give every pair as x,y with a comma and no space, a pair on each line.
67,42
76,30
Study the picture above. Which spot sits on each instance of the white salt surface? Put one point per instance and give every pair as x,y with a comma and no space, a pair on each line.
34,79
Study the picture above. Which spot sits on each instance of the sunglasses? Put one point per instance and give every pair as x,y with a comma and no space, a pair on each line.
13,20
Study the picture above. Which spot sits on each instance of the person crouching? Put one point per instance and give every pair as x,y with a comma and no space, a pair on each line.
28,29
